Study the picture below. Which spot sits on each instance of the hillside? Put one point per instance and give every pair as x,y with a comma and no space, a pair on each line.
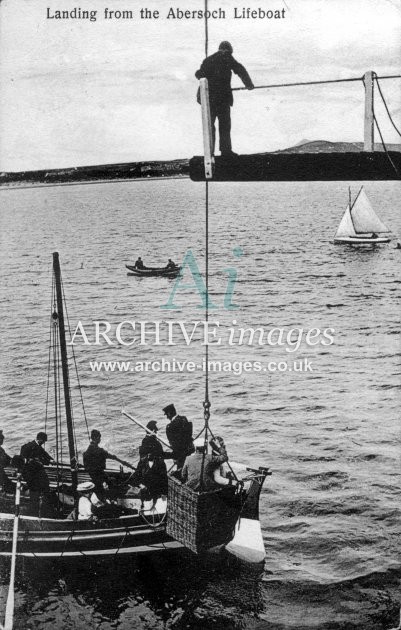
171,168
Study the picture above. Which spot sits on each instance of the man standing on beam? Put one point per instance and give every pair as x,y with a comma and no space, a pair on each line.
217,69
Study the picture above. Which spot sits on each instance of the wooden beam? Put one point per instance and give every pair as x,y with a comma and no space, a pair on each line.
369,129
208,148
288,167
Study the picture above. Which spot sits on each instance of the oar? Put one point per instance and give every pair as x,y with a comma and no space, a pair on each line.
125,413
8,624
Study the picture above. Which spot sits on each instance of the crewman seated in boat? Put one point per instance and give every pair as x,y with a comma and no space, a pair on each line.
171,265
95,463
87,501
36,451
179,434
5,460
139,263
374,235
211,463
150,476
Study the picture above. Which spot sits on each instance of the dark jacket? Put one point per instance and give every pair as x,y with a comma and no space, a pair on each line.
153,477
33,450
217,70
35,476
95,459
179,434
150,444
5,460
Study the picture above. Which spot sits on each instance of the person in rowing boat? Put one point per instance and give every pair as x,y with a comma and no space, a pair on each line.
179,434
35,450
212,474
5,460
87,501
171,265
95,463
139,264
217,70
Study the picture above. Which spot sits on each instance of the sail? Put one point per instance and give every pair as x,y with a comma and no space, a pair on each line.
364,218
346,227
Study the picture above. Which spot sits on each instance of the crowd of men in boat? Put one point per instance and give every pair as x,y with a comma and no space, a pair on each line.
191,463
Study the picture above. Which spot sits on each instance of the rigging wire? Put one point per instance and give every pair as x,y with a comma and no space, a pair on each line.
69,383
385,105
76,368
385,148
56,381
49,355
276,85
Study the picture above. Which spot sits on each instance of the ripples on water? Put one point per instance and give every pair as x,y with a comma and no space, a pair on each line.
330,513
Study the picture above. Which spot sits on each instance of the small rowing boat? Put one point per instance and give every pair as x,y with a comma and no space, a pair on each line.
153,272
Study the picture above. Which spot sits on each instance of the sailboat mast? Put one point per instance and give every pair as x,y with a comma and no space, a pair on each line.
64,366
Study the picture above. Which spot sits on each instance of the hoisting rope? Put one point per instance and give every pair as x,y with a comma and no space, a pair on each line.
275,85
206,31
206,402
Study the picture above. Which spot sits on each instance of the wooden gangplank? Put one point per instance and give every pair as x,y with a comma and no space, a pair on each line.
294,167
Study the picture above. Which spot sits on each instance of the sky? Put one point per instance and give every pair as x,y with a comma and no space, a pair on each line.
78,92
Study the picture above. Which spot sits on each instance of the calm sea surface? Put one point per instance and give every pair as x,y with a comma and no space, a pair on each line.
331,511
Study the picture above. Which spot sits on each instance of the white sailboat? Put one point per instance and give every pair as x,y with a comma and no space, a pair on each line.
360,224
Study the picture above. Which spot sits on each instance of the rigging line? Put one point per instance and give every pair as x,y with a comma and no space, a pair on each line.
51,326
275,85
56,394
385,148
385,105
75,365
69,381
60,431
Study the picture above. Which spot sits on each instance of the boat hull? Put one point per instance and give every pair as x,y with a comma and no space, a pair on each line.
52,538
153,272
137,531
351,240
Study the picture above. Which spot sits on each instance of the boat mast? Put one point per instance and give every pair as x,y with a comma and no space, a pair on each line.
64,366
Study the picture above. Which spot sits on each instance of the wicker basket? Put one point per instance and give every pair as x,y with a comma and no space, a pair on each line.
201,520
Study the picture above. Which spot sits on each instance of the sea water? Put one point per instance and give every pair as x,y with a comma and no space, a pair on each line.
330,432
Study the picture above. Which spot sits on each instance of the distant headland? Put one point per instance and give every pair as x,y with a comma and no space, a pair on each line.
155,169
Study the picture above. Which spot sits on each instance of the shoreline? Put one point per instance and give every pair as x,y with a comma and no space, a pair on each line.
22,185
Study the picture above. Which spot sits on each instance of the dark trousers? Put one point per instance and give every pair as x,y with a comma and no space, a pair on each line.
98,478
221,111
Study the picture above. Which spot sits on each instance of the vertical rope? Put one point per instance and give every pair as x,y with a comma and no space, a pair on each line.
206,31
206,403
